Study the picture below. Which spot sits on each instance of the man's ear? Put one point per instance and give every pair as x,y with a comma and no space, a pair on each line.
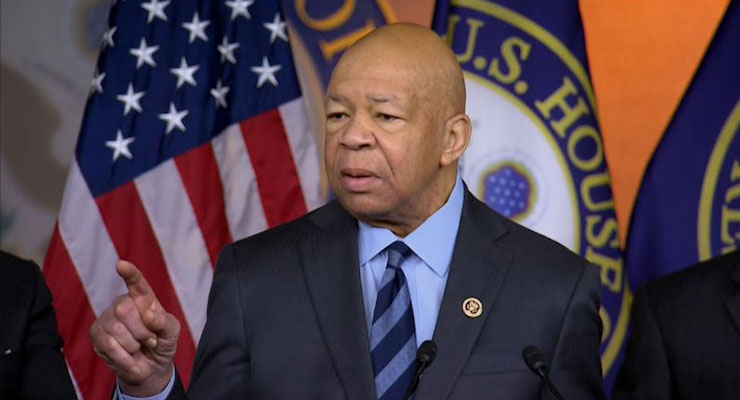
457,136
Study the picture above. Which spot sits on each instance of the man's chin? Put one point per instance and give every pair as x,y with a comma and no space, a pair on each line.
364,206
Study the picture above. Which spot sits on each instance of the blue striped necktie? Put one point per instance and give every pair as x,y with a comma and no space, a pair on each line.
392,336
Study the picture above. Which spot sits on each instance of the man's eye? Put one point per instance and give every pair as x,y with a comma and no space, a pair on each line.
335,116
387,117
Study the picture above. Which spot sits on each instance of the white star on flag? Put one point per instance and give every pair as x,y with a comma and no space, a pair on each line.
144,54
108,37
120,146
155,9
227,50
276,28
239,7
174,118
130,100
96,85
197,28
266,72
219,93
184,73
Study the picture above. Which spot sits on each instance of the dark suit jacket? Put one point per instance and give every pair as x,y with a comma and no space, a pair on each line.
31,361
686,338
286,317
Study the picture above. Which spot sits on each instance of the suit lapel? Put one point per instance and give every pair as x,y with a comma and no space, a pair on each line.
478,268
733,302
331,268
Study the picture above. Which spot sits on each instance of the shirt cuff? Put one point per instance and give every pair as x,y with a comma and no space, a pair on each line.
161,396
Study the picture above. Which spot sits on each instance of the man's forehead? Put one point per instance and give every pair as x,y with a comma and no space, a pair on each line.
377,81
377,98
347,92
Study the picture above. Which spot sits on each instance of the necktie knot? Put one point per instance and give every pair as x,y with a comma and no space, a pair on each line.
397,252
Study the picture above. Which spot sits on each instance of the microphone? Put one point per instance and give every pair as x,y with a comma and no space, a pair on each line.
536,362
424,357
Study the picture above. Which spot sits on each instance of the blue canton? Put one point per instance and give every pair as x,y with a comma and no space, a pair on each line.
173,75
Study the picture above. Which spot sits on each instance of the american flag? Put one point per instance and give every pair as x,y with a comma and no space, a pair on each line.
195,134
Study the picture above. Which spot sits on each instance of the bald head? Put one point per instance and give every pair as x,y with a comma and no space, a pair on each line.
416,53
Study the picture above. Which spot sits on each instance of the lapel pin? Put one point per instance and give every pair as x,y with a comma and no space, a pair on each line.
472,307
8,351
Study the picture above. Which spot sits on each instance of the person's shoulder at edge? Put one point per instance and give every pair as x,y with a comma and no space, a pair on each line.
685,283
19,278
15,265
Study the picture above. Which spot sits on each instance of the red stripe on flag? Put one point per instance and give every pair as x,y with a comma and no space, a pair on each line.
272,160
134,239
202,181
74,317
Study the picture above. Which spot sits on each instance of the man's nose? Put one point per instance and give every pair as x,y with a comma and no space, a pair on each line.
358,134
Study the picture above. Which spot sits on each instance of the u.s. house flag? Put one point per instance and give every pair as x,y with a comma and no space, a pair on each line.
536,154
194,135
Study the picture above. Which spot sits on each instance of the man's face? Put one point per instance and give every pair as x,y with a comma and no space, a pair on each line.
383,141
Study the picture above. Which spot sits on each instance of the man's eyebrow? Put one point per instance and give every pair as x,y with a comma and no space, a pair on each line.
377,99
335,98
383,99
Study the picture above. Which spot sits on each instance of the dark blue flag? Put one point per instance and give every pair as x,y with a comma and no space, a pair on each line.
688,207
536,154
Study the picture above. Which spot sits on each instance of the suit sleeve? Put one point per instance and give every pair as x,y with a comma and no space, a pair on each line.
645,372
576,367
44,374
221,369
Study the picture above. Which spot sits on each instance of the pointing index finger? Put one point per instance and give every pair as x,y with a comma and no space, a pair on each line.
138,287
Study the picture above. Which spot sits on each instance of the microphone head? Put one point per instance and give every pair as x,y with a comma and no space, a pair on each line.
534,359
427,351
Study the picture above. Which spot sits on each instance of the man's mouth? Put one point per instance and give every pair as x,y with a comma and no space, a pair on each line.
357,179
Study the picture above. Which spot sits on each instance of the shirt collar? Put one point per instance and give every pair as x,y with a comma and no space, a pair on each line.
433,241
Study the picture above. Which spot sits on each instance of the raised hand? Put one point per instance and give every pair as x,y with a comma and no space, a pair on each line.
136,337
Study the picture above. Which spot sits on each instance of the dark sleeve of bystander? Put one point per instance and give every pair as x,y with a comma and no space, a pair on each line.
31,362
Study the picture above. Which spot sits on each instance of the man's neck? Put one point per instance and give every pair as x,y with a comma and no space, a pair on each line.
405,223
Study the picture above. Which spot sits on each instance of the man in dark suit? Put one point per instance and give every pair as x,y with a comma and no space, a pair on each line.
686,338
31,361
334,304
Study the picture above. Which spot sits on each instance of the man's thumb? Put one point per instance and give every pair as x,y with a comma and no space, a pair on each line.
159,321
